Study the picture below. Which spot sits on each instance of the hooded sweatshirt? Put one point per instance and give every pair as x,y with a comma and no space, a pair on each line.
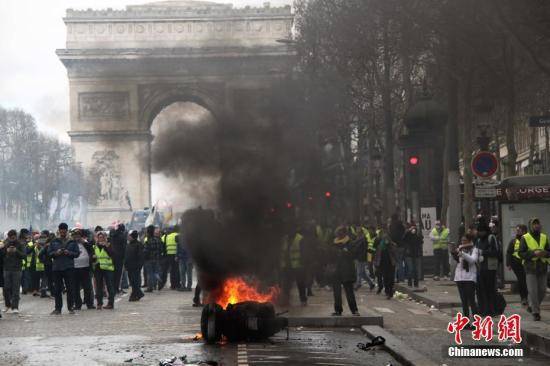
537,266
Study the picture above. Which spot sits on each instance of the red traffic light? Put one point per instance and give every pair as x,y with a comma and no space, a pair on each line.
288,205
414,160
328,194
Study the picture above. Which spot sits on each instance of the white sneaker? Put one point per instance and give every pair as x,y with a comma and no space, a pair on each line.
15,311
6,310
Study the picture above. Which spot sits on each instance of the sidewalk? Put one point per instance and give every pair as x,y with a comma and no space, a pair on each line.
443,295
319,309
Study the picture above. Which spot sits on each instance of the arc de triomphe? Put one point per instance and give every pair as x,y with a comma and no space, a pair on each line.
125,66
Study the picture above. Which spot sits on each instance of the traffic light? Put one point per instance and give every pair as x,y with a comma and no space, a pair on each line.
328,194
414,160
289,205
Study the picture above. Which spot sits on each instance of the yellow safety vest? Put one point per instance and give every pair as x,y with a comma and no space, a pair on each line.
104,261
28,260
370,244
170,243
533,245
39,266
441,238
322,235
293,252
516,249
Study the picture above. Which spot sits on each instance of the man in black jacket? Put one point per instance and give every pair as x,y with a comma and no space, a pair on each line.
133,262
63,251
534,248
153,252
118,241
12,254
515,263
413,241
487,243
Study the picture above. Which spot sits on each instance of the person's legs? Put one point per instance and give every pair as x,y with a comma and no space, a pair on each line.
35,283
470,287
43,283
299,276
438,270
519,271
197,297
117,273
410,272
151,276
491,291
461,285
6,291
111,288
337,294
350,296
68,277
174,273
164,264
77,299
541,282
86,283
399,267
99,281
189,275
183,273
58,289
388,273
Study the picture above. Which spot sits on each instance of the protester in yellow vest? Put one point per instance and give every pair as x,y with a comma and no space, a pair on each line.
534,249
168,262
39,279
515,263
344,275
292,268
104,270
26,280
440,239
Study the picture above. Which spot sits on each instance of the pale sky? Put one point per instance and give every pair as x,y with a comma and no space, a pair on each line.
31,76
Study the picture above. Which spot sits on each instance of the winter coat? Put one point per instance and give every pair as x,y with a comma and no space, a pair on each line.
134,256
396,232
413,244
538,266
467,272
13,261
63,261
182,253
490,251
154,249
343,256
386,255
118,242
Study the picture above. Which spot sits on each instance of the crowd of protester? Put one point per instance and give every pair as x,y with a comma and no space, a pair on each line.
90,267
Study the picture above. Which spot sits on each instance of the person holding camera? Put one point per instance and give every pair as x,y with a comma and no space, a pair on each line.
467,256
104,271
12,254
63,251
413,241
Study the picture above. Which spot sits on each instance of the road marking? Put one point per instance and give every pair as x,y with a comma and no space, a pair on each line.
384,310
242,355
329,358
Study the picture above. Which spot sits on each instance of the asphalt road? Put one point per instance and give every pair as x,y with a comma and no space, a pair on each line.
159,327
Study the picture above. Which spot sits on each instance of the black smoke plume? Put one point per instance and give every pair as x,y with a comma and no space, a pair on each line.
255,154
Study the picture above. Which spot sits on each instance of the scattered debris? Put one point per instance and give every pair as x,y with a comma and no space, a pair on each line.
376,341
174,361
209,363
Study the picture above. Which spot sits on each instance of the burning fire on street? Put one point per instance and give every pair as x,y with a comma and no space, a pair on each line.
237,310
236,290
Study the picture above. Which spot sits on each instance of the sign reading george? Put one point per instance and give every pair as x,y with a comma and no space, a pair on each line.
484,164
540,121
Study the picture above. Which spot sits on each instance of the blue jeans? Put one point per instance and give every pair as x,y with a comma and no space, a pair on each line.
400,268
413,273
153,273
186,274
361,268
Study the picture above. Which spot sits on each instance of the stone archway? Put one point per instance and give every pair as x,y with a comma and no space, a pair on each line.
125,66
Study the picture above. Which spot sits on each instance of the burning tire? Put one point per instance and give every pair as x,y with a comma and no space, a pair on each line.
211,323
249,320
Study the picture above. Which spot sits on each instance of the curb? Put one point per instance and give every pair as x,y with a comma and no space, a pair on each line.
419,297
399,350
335,321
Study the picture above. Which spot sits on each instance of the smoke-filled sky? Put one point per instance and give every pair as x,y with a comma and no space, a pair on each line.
32,77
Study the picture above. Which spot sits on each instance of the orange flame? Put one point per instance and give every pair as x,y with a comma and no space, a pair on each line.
235,290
